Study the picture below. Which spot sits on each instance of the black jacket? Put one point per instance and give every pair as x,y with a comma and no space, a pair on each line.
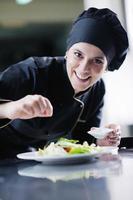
73,115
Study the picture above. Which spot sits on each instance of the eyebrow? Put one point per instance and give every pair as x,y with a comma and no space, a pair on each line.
98,57
78,50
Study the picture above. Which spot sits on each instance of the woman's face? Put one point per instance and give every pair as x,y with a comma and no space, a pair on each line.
85,65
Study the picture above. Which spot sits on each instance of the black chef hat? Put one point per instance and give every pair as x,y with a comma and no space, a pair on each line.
102,28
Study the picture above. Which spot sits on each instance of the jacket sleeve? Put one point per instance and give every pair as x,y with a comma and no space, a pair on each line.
92,114
16,82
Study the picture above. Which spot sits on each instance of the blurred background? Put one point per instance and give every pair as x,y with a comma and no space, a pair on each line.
40,28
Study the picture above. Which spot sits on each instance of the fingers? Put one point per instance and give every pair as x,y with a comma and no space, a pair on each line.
114,138
116,128
32,106
114,142
48,110
114,135
42,106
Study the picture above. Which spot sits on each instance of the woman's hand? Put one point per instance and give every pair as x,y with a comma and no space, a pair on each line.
28,107
113,138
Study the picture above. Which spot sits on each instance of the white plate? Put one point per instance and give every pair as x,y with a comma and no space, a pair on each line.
68,159
100,133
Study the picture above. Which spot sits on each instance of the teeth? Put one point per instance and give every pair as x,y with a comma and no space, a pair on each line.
82,78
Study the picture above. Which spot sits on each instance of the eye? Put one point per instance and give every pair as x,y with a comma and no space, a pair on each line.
78,54
98,61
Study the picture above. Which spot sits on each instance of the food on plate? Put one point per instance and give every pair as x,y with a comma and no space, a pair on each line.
68,147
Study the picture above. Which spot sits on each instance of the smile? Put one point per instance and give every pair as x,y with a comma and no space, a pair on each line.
81,78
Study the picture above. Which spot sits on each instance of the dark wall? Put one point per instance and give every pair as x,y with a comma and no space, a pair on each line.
17,44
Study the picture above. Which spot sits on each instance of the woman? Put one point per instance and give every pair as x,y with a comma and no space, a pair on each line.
51,97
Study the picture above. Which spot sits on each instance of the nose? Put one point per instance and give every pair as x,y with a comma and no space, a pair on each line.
85,66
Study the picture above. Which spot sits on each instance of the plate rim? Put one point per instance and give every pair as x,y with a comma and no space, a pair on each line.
33,156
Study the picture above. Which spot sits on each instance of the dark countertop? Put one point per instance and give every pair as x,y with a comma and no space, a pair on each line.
108,178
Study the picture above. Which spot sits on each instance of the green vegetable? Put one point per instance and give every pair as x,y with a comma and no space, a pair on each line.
78,150
67,140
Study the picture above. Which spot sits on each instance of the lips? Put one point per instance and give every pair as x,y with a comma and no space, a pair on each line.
82,78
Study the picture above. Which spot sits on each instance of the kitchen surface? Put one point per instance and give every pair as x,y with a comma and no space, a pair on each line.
108,177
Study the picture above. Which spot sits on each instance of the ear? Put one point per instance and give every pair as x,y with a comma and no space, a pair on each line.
106,70
66,54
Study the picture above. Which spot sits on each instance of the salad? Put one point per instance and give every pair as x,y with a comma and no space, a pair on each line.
68,147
